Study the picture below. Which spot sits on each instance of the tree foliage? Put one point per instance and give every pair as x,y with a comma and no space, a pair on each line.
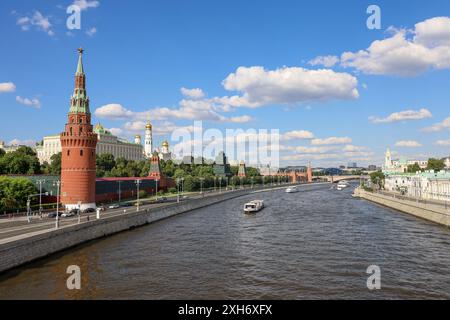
435,164
14,192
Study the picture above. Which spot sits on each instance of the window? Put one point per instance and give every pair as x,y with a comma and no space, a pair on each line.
68,152
81,152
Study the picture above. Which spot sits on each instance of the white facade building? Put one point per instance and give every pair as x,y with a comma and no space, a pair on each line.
427,185
164,153
107,143
400,165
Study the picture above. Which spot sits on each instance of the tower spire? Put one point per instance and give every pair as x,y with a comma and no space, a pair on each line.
80,69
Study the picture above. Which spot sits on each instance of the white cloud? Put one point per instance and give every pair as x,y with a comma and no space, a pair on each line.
188,110
433,32
37,20
403,55
34,102
408,144
86,4
443,143
403,116
297,134
90,32
116,131
444,125
18,142
7,87
290,85
331,140
195,93
352,148
326,61
113,111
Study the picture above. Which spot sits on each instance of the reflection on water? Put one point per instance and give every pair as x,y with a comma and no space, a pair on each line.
311,244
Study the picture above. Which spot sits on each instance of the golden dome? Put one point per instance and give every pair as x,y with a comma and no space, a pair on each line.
137,136
148,125
165,143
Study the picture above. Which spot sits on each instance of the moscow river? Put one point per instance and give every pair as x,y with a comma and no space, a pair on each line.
314,244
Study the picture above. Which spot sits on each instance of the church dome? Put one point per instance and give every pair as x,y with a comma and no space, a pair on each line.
148,125
165,143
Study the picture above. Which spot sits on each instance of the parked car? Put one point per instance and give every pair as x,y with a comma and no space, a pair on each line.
68,214
114,206
88,210
127,204
53,214
74,211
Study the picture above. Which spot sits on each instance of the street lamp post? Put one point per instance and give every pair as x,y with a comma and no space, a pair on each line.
138,182
40,181
156,193
57,183
178,190
201,185
120,190
220,184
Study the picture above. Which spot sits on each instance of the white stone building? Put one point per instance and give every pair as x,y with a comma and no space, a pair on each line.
400,165
107,143
427,185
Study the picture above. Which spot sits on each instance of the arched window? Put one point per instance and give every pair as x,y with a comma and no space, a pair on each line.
81,152
68,152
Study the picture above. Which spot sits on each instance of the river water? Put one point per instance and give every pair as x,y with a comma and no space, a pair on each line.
314,244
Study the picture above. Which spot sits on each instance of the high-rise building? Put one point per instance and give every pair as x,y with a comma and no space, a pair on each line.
78,143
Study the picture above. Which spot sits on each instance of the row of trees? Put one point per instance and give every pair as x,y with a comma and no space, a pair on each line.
14,192
433,164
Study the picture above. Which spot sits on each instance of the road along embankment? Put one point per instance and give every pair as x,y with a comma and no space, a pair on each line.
430,212
28,247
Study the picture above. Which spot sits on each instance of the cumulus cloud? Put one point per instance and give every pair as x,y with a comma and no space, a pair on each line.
408,144
403,116
297,134
187,110
444,143
331,140
86,4
90,32
37,20
290,85
34,102
116,131
407,52
444,125
7,87
352,148
113,111
195,93
326,61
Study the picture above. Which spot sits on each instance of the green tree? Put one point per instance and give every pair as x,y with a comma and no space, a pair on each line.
14,192
413,168
435,164
377,179
55,164
104,164
21,161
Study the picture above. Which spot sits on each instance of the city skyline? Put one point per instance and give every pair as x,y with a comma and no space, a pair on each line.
346,99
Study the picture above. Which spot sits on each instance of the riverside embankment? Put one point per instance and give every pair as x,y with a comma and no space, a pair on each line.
429,211
27,247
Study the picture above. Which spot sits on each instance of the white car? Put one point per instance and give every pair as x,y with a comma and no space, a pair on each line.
114,206
68,214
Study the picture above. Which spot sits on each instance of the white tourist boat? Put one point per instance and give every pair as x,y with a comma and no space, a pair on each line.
292,189
342,184
253,206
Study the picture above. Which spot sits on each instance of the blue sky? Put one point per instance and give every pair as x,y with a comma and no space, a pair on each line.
139,54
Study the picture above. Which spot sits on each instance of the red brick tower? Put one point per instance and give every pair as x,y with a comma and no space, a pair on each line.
78,143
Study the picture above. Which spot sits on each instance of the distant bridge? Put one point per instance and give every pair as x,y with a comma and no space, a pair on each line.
340,178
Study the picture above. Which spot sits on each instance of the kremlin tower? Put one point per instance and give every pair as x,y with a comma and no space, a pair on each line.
78,143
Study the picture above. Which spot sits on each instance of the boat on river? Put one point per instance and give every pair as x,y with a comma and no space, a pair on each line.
292,189
253,206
